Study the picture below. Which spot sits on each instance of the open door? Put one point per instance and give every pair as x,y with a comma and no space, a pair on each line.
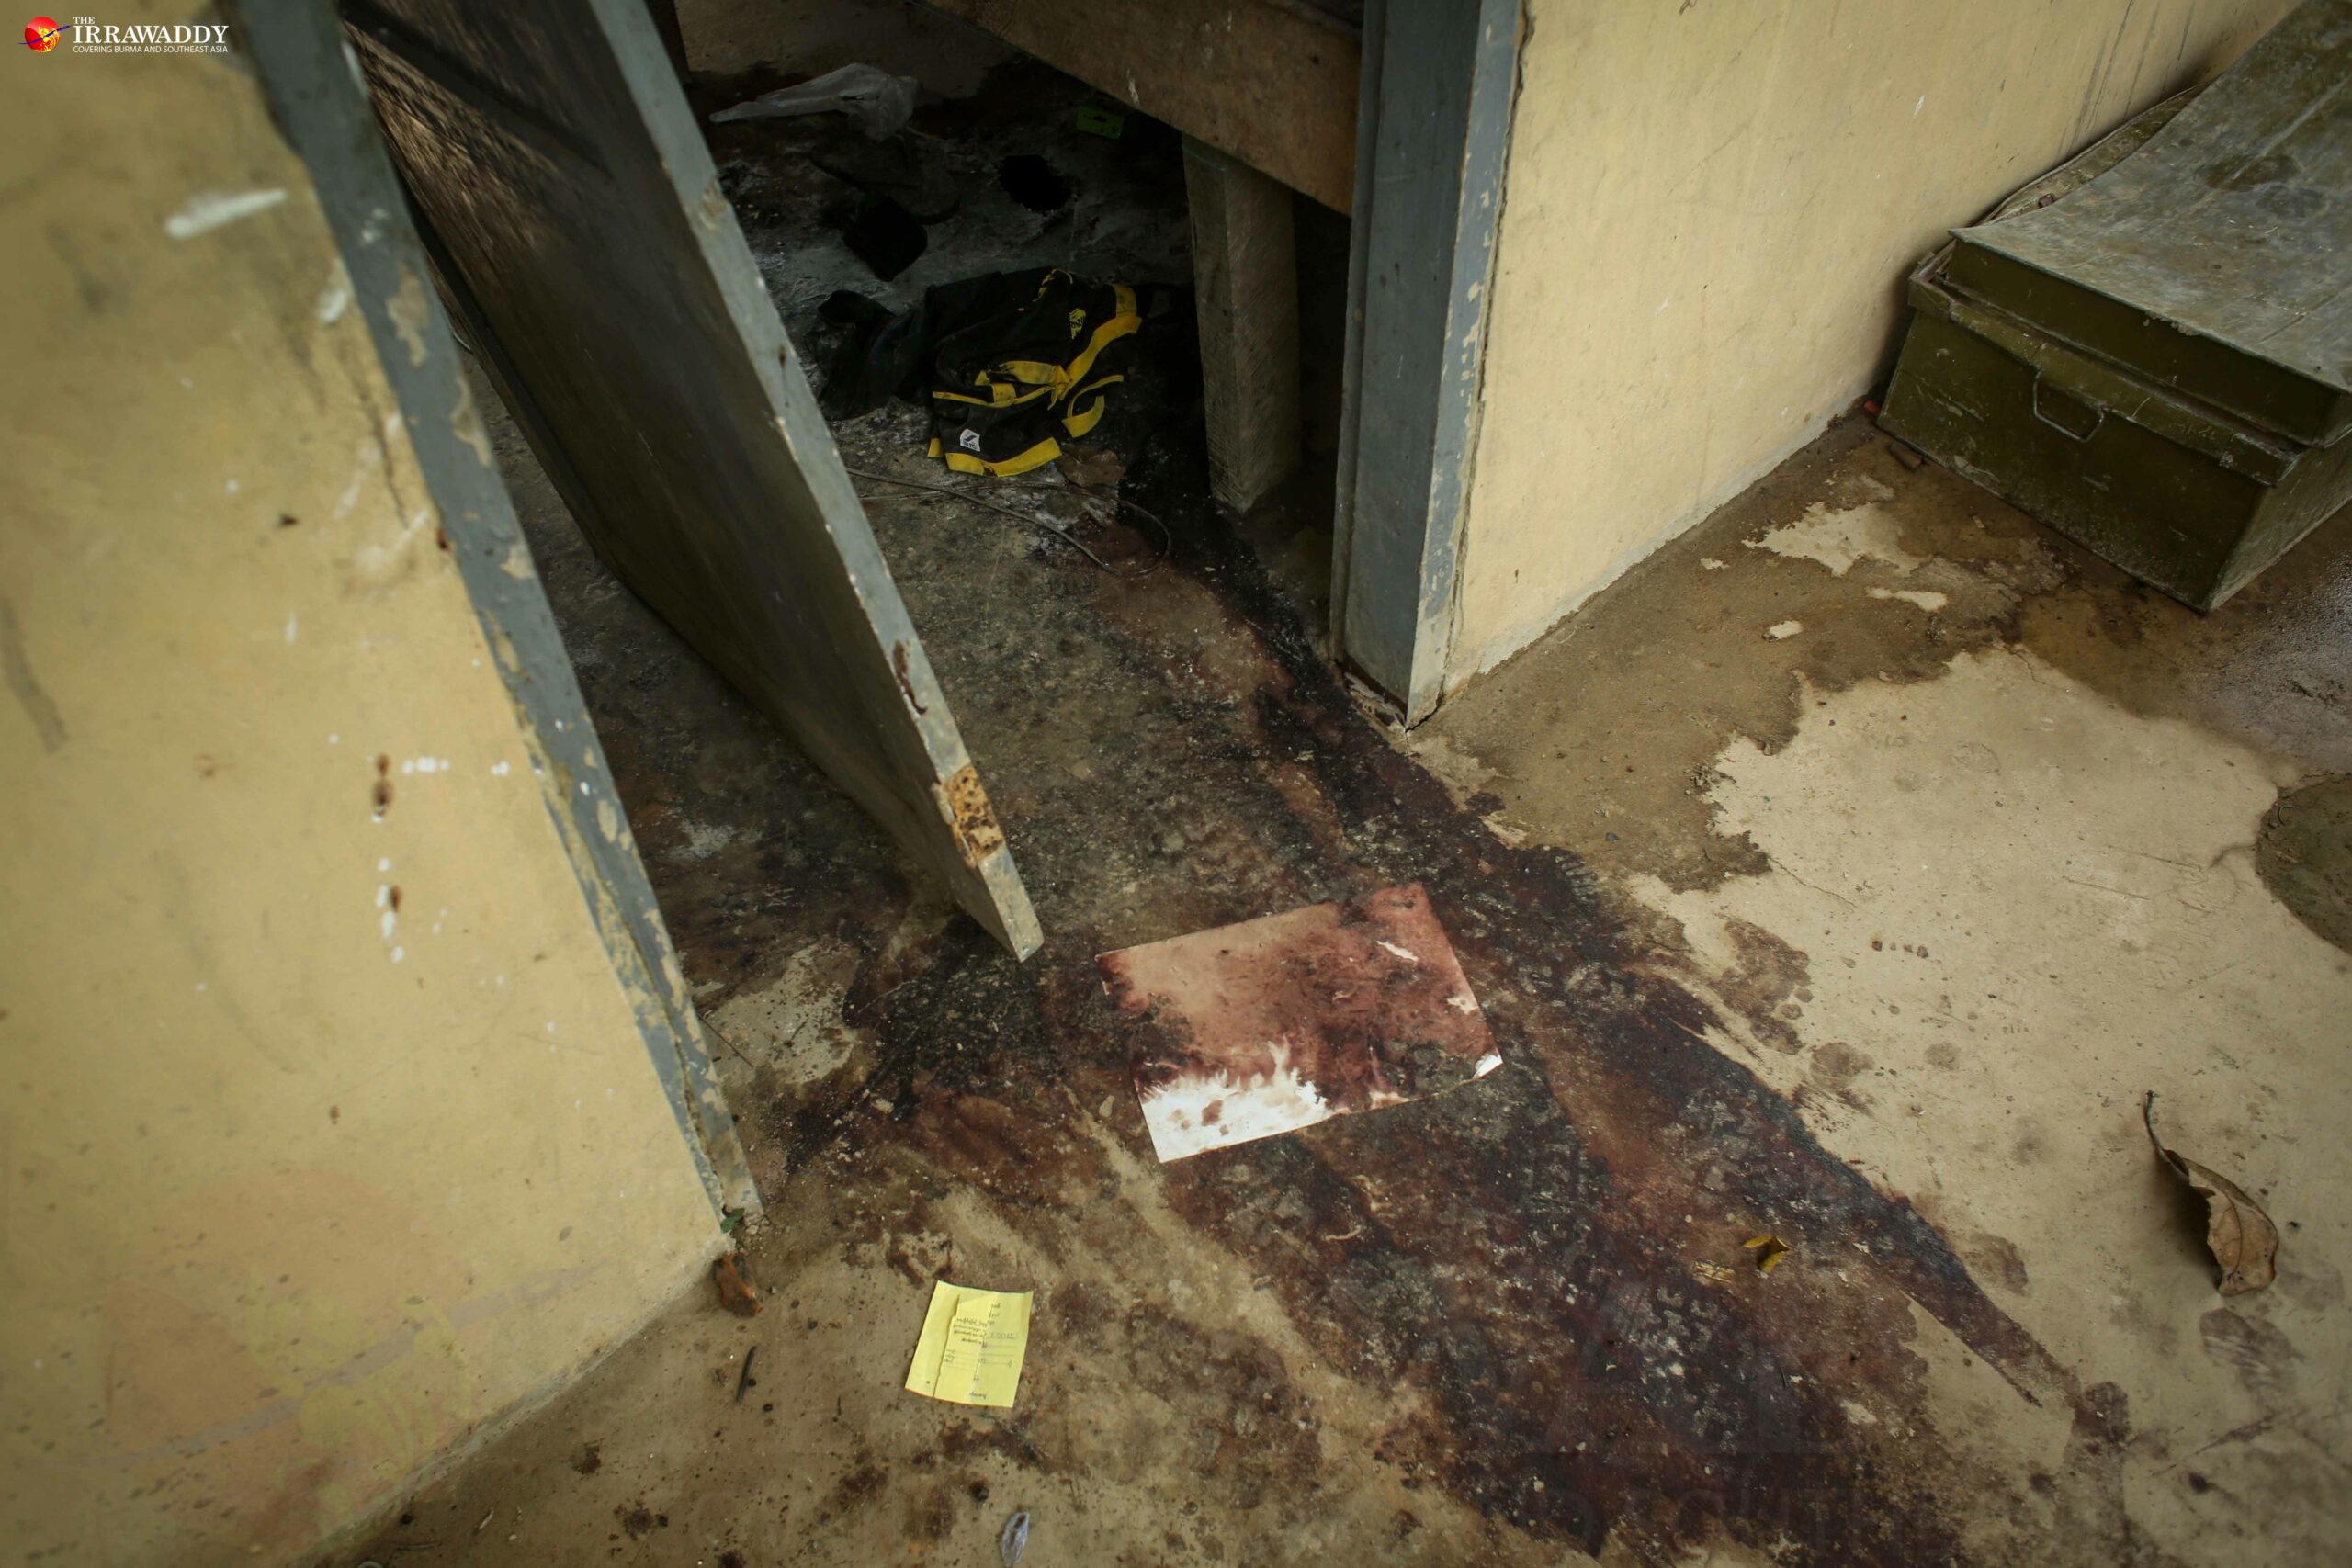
579,222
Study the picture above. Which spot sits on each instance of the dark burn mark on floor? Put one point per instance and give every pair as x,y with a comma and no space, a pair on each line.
1518,1254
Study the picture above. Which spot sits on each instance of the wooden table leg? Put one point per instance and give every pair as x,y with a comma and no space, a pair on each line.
1245,279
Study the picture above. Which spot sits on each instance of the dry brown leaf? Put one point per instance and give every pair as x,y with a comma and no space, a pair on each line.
2239,1235
735,1292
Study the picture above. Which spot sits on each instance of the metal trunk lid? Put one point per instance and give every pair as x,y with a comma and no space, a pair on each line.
2217,259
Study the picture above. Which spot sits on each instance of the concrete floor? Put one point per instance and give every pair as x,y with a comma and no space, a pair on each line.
1871,934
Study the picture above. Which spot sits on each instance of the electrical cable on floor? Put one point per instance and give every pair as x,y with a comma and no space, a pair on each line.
1167,537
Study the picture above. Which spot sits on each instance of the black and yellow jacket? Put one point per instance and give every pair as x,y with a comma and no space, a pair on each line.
1009,364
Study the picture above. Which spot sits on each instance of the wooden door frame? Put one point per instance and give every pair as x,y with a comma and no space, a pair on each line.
1432,137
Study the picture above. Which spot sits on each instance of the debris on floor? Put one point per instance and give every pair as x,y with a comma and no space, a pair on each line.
1008,363
1095,466
971,1347
880,102
1013,1540
2239,1235
1768,1249
1274,1024
1097,120
735,1292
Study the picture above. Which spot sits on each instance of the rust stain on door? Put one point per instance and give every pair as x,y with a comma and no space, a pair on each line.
977,834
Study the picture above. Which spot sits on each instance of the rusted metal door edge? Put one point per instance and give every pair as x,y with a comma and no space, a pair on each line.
1433,137
299,50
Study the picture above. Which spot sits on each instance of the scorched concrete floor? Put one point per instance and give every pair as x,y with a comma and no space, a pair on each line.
1847,871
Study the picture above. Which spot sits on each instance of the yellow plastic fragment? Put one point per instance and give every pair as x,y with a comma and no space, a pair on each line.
1768,1249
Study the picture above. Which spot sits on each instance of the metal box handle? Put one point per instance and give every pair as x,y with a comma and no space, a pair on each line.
2060,402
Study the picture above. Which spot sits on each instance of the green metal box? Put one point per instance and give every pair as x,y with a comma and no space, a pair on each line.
2177,493
2216,260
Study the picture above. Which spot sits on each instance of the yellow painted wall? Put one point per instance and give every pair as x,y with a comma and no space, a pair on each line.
1709,210
295,1190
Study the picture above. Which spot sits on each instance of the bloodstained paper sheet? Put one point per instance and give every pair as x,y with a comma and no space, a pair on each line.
1274,1024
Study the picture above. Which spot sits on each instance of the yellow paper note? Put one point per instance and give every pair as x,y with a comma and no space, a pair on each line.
971,1347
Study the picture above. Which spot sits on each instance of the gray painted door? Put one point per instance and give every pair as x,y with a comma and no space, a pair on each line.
578,218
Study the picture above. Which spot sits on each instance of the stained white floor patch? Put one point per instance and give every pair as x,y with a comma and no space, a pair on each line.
2014,907
1836,538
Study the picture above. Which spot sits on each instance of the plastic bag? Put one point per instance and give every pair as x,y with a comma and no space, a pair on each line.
880,102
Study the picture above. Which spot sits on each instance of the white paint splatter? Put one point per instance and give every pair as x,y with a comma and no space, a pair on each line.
336,297
1781,631
203,213
1925,599
293,626
1709,563
500,770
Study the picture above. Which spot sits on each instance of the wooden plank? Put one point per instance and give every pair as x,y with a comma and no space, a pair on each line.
1245,287
549,149
1270,82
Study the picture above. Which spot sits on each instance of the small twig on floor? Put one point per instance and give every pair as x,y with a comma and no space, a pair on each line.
743,1379
1782,866
712,1031
485,1521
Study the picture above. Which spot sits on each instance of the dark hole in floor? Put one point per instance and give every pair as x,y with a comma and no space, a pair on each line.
1031,180
885,236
